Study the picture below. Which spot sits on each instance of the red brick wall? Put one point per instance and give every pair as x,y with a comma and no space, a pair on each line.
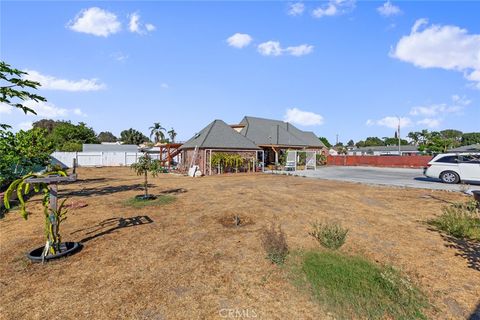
380,161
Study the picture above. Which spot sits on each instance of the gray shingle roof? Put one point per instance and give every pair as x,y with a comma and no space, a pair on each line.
275,132
219,135
472,147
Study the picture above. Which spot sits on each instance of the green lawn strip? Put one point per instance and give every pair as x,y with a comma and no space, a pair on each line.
140,203
352,287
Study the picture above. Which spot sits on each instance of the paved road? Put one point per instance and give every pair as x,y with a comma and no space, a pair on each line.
412,178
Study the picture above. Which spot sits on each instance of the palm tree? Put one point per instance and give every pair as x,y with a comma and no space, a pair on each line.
157,131
172,134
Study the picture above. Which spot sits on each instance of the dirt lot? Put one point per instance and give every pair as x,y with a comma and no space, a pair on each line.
177,261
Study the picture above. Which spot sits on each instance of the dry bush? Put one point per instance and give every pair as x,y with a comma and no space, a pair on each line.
329,234
274,242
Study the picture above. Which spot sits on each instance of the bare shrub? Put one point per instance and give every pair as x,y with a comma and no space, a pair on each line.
274,242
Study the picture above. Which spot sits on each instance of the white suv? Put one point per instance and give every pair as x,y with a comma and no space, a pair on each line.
454,167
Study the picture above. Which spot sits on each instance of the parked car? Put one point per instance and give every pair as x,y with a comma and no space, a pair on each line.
454,167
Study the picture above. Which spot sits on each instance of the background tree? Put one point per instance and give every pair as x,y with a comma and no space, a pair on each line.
46,124
394,141
172,134
132,136
157,131
373,142
67,136
106,136
23,152
325,142
351,143
13,89
470,138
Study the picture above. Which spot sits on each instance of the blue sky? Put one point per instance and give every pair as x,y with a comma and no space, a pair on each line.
332,67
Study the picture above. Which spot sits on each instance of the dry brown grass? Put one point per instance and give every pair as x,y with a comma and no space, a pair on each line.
187,265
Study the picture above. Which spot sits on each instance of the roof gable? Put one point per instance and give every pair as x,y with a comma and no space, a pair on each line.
268,132
219,135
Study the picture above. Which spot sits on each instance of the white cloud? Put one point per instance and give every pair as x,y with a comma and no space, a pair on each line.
334,8
79,112
391,122
27,125
95,21
300,50
150,27
296,9
5,108
43,109
430,122
388,9
136,26
52,83
456,106
447,47
239,40
270,48
303,118
119,56
273,48
164,85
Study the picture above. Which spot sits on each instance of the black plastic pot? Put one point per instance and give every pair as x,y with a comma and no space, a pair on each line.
143,197
67,248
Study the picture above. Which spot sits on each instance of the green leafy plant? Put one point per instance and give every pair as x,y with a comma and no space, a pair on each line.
225,161
53,217
460,220
143,166
274,242
329,234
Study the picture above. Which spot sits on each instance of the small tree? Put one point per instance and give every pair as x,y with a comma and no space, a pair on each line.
145,165
54,215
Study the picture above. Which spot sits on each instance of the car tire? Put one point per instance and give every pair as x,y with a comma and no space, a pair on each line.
450,177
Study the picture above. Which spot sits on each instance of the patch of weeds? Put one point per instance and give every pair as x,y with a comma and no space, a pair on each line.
140,203
274,242
460,220
331,235
235,221
355,288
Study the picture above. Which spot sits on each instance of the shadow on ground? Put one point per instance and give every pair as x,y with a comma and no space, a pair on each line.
111,225
173,191
103,190
476,313
467,249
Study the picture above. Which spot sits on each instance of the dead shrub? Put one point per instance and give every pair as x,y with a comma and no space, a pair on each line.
274,242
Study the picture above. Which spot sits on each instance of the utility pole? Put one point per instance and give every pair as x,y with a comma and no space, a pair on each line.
337,140
399,138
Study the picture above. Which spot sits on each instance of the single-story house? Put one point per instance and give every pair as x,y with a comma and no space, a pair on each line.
217,137
471,147
275,136
258,138
405,150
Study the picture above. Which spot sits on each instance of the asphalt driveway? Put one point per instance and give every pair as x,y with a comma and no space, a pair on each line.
400,177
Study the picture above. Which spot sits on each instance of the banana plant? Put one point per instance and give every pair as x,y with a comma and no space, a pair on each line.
54,215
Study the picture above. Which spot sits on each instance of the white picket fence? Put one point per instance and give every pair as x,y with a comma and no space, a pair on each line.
99,159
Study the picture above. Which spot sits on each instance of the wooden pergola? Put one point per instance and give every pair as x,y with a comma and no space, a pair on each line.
168,151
